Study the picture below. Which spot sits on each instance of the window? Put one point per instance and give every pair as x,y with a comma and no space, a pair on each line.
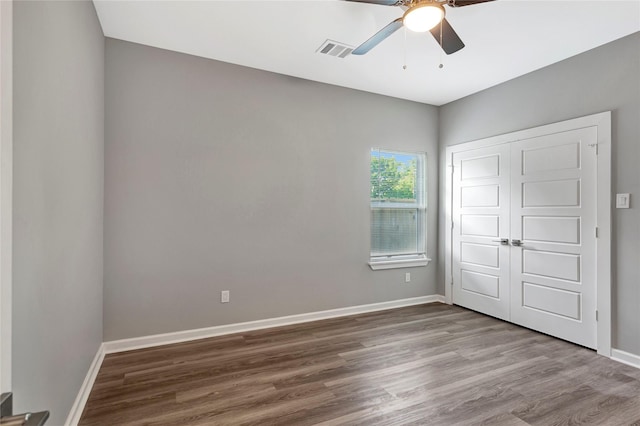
398,209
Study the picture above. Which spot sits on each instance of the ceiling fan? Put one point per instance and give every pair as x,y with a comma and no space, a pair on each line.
419,16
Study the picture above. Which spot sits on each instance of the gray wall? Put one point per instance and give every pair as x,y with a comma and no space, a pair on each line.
606,78
58,201
220,177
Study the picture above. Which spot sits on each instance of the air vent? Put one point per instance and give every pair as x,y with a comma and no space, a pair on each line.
334,48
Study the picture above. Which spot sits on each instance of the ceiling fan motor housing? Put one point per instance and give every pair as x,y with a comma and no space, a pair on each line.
423,16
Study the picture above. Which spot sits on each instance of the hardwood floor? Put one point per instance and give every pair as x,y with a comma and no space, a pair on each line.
431,364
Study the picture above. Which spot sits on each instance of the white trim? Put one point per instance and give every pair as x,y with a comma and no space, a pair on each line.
83,395
625,357
603,243
392,263
202,333
6,184
448,235
603,240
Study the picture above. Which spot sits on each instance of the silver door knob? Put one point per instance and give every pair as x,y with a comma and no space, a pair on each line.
516,243
503,241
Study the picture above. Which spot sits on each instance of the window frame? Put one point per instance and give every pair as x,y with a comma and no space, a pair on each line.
404,260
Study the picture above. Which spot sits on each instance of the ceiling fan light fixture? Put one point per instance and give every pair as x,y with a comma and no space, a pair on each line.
423,17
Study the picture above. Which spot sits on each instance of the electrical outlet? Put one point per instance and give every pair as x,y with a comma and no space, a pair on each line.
224,296
407,277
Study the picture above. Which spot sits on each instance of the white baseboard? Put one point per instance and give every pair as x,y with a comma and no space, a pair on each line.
202,333
625,358
83,395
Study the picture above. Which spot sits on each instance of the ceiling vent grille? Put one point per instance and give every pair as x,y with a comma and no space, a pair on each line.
334,48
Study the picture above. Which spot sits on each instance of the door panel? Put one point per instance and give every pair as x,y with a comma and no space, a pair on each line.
552,193
482,167
551,229
551,264
480,196
480,225
481,216
551,158
553,287
551,300
480,254
482,284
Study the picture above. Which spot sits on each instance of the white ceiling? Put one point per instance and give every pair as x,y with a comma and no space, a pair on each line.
504,39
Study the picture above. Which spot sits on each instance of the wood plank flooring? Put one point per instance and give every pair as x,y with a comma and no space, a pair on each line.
431,364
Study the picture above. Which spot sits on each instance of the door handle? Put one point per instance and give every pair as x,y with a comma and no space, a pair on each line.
503,241
516,243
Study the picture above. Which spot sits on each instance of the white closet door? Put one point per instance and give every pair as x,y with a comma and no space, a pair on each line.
553,215
480,219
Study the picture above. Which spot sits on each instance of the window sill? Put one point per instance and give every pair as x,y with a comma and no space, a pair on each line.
399,263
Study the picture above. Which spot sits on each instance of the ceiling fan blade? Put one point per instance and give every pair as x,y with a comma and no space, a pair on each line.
461,3
378,37
451,43
380,2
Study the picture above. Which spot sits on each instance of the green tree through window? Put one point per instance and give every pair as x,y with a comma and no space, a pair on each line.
393,180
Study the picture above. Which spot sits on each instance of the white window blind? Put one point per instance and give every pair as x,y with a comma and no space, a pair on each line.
398,205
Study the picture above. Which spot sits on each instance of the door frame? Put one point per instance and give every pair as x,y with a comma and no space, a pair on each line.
602,121
6,185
